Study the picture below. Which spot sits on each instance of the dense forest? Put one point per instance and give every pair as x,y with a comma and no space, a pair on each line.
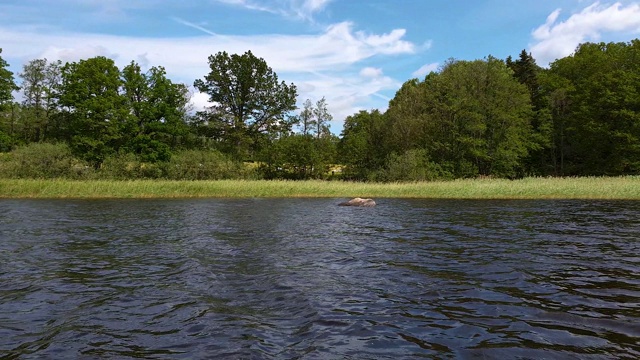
490,117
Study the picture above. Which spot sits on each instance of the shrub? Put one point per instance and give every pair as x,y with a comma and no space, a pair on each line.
43,161
205,165
124,166
150,150
413,165
6,142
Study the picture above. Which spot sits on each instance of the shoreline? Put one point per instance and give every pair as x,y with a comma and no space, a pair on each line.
596,188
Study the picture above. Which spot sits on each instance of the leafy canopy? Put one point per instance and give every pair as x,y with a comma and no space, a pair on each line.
248,101
7,84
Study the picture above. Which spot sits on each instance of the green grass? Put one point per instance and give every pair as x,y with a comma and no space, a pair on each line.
530,188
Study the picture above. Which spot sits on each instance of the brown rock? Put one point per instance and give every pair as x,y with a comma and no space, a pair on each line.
359,202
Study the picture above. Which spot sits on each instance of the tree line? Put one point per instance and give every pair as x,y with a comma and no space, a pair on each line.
488,117
506,118
105,117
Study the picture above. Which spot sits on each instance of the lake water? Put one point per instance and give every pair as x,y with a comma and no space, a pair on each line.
304,278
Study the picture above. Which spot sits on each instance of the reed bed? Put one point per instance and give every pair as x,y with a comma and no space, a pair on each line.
529,188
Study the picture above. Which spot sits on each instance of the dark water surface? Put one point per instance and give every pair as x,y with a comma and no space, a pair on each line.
304,278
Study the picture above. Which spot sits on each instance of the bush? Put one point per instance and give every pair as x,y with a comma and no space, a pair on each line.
6,142
205,165
150,150
43,161
413,165
124,166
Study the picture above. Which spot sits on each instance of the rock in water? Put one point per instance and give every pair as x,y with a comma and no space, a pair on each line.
359,202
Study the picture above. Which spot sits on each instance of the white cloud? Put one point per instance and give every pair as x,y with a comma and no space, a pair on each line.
371,72
555,40
199,101
324,64
305,9
70,54
425,69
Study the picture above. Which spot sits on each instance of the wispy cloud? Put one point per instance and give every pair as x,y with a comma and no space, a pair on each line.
425,69
297,9
251,5
193,25
556,39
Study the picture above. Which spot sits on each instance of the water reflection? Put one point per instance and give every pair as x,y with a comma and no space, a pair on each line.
303,278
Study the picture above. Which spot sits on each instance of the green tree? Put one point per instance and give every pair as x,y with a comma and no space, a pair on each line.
412,165
299,156
307,154
290,157
39,81
158,107
305,120
362,144
529,74
99,119
7,115
595,98
249,102
322,118
7,83
472,117
409,126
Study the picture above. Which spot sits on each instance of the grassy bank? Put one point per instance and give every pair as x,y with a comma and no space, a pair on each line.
530,188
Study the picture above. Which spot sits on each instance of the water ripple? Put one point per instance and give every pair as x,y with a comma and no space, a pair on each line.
303,278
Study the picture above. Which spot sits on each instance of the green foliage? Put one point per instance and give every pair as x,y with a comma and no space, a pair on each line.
6,142
249,101
322,117
39,82
90,149
290,157
126,165
43,161
299,156
595,102
183,165
413,165
484,118
532,76
7,84
362,146
205,165
472,118
150,150
158,108
305,121
96,110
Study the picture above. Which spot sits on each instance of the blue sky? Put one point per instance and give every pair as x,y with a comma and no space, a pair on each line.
355,53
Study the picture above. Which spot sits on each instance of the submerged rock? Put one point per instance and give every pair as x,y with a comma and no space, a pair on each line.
359,202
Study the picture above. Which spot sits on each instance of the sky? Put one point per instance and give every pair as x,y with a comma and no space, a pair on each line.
354,53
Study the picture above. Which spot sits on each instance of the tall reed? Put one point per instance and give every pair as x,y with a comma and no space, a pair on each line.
529,188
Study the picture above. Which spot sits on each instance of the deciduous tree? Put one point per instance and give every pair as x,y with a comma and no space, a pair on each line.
362,145
7,86
472,117
248,100
7,83
40,78
597,104
90,96
322,118
305,120
158,108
